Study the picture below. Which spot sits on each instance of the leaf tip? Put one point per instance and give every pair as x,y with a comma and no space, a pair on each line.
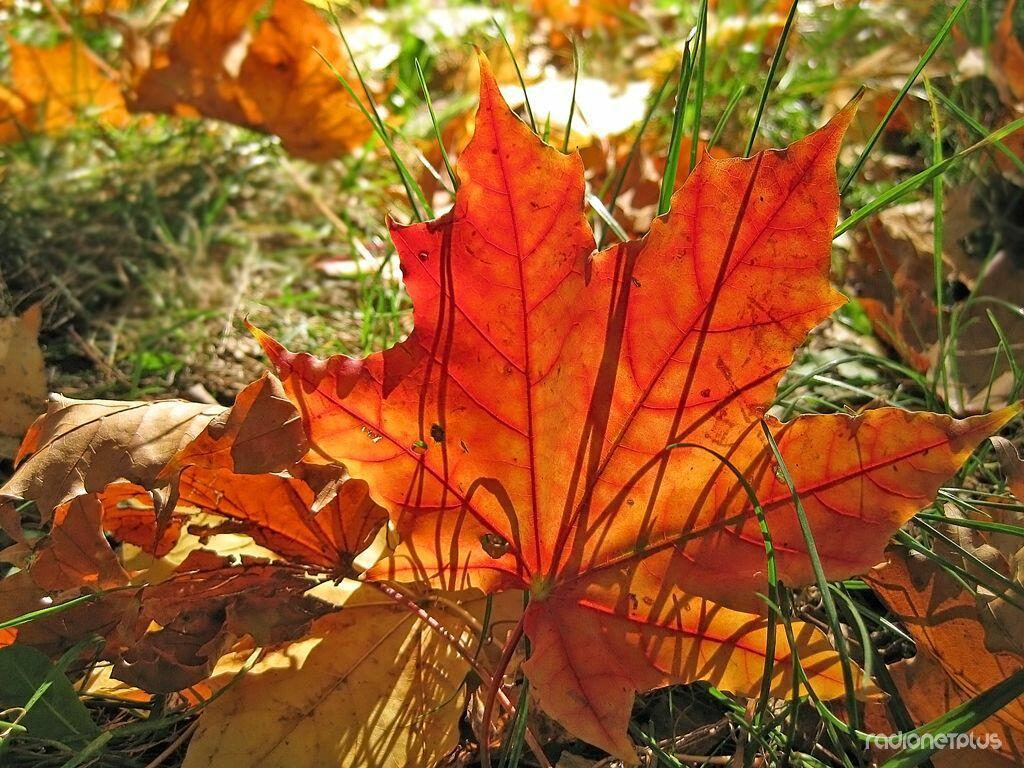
271,346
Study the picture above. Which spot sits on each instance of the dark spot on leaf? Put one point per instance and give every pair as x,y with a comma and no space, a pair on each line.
494,545
437,433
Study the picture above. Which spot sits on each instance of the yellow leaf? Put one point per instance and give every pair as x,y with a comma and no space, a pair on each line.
372,686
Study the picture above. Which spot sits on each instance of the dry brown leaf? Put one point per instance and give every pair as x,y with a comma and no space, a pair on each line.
51,87
255,64
80,447
22,377
892,273
1012,464
950,666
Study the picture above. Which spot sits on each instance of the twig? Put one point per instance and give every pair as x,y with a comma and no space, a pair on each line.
97,359
173,746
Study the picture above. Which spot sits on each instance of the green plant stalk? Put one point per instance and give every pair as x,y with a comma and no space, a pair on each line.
776,59
668,182
437,128
698,98
941,378
937,41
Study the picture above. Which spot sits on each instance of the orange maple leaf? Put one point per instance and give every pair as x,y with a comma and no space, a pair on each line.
536,430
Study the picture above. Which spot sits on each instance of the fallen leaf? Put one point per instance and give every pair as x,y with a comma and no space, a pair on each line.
277,512
370,687
80,447
51,87
22,377
533,432
207,604
75,554
256,64
950,666
892,269
1012,464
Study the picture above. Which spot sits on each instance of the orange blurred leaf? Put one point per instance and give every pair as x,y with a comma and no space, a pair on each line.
51,87
258,65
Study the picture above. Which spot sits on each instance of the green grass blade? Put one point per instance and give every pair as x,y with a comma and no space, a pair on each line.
977,127
698,96
668,182
634,150
572,103
904,188
776,59
821,580
941,378
730,107
519,72
437,127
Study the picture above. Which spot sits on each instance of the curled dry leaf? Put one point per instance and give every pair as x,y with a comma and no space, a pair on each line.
22,377
1012,464
536,429
81,447
948,669
51,87
258,65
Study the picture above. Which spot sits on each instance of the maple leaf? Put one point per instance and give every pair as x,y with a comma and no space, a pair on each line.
532,432
258,65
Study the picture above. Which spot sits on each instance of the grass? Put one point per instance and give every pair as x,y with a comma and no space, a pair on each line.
149,246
